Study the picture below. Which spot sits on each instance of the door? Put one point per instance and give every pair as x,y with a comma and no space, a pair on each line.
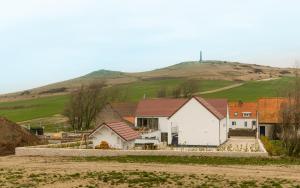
262,131
175,139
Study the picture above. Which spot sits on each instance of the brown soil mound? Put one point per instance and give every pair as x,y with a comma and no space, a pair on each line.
13,135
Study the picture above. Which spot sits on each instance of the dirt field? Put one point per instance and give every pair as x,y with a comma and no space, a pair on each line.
65,172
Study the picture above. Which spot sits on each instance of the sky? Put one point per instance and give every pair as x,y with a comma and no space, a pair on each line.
46,41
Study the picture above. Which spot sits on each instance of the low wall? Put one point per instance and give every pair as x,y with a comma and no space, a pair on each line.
63,152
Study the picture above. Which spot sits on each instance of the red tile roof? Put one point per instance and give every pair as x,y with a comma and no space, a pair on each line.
122,129
240,107
269,109
159,107
218,107
125,109
221,105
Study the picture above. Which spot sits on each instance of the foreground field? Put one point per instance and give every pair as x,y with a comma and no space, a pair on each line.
70,172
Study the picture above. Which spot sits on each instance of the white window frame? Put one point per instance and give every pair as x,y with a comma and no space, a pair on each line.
247,114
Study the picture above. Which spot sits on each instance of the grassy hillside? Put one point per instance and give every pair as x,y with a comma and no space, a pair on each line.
208,70
49,106
253,90
32,109
44,107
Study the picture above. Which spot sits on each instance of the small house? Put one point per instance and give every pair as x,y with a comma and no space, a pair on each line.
118,135
243,115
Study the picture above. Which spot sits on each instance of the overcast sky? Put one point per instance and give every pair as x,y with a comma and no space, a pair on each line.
45,41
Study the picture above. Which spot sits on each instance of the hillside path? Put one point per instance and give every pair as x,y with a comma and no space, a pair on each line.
220,89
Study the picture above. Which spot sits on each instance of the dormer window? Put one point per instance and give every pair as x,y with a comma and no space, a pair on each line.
246,114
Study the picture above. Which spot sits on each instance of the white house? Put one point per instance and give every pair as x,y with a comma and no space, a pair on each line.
243,115
190,122
118,135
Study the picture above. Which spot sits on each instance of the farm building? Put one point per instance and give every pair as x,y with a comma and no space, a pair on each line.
243,115
188,122
269,115
118,135
114,112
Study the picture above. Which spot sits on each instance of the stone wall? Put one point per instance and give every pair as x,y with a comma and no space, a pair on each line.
63,152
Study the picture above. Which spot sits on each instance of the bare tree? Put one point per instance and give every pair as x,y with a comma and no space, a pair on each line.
176,92
189,87
84,105
290,129
162,92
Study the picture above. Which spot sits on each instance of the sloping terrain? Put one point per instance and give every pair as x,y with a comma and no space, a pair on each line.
207,70
12,136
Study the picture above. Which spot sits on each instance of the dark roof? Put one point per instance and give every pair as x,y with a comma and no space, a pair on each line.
159,107
121,129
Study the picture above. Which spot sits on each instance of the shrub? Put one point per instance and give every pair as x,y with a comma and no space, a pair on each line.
273,147
103,145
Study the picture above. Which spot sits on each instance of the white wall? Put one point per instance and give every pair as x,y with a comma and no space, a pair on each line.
114,140
198,126
223,130
240,124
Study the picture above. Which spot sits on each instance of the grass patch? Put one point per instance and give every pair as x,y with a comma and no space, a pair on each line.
34,108
194,160
134,92
133,178
253,90
273,147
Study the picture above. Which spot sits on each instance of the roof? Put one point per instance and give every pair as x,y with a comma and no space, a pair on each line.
221,105
122,129
240,108
117,112
159,107
125,109
218,107
269,109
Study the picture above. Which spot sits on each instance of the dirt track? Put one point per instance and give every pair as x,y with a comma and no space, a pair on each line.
64,164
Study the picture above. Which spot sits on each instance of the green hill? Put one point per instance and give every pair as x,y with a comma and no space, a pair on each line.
131,87
43,107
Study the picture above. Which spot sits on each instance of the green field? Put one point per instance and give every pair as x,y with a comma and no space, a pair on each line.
32,109
136,91
49,106
253,90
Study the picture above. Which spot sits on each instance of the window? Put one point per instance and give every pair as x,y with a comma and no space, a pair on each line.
253,123
246,114
246,124
233,123
236,114
164,137
150,123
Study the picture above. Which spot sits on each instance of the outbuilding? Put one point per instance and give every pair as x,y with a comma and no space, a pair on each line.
118,135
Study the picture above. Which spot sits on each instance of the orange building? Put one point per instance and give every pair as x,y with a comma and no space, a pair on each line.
243,115
269,114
